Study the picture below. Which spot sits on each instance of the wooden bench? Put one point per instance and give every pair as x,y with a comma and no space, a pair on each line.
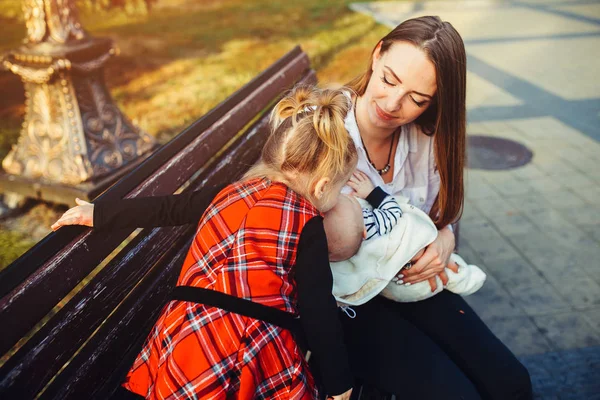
84,350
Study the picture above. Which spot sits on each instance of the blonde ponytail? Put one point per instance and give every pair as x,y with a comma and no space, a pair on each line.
308,137
328,120
300,98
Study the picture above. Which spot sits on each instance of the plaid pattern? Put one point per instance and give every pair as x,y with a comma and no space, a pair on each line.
245,246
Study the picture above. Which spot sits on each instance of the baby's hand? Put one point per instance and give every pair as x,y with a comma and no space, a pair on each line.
361,184
82,214
344,396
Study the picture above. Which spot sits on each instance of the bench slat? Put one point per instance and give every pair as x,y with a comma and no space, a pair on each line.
30,301
114,338
42,356
47,351
84,377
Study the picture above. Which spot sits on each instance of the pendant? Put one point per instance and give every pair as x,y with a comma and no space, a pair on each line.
382,171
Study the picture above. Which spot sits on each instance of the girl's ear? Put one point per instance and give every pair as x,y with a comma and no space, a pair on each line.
321,187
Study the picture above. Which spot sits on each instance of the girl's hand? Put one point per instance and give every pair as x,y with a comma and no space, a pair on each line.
343,396
361,184
82,214
433,261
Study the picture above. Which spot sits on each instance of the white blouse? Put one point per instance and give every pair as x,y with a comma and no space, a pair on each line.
415,173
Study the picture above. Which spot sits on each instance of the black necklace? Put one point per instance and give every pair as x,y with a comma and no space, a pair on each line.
387,167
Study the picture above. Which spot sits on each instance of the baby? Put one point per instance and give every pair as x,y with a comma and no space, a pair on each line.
394,234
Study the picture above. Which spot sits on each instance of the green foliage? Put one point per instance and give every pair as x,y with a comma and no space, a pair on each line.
13,244
130,6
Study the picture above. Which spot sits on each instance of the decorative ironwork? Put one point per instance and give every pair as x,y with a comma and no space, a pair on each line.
73,132
54,20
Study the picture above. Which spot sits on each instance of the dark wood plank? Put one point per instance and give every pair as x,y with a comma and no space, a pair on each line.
44,354
88,368
32,299
48,350
276,75
112,342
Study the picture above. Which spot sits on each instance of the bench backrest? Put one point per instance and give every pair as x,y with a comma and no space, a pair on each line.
84,349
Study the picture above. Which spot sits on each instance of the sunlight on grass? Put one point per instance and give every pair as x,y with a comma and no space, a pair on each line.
165,100
13,245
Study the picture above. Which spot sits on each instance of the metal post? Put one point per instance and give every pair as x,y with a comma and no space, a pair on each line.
75,141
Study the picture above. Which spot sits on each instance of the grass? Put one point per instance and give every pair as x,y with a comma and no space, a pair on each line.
184,57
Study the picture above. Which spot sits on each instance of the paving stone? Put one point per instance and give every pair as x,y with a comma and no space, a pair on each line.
593,230
514,273
497,176
579,293
520,335
475,175
559,200
567,374
584,215
493,248
513,224
544,253
529,202
589,166
478,228
573,181
592,316
479,190
548,218
589,194
545,185
495,207
492,301
512,187
470,213
538,299
571,238
569,152
553,165
559,274
529,171
567,330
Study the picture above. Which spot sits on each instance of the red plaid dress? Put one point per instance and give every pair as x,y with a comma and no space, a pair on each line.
245,246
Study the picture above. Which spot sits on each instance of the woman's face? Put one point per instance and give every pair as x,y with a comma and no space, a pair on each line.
401,88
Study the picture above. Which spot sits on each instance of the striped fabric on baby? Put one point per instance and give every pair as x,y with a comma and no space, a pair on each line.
382,220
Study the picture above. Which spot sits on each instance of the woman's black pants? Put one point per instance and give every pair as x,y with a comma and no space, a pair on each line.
432,349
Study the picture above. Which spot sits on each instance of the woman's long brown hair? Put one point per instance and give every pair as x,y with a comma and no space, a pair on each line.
445,118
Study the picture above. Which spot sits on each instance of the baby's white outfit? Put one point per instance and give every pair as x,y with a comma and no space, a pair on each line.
402,232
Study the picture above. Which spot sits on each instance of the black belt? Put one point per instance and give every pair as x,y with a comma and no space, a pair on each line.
237,305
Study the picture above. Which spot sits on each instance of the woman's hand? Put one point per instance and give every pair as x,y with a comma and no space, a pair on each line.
82,214
433,261
343,396
361,184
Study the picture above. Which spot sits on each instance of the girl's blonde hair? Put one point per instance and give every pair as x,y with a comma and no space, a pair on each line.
308,137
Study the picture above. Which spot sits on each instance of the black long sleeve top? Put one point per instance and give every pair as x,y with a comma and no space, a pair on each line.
314,281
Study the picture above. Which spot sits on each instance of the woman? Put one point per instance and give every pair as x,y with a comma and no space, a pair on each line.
408,124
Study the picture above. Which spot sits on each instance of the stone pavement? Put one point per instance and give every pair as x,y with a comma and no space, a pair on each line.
533,78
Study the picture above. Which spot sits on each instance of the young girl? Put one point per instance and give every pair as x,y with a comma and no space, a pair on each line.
259,258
